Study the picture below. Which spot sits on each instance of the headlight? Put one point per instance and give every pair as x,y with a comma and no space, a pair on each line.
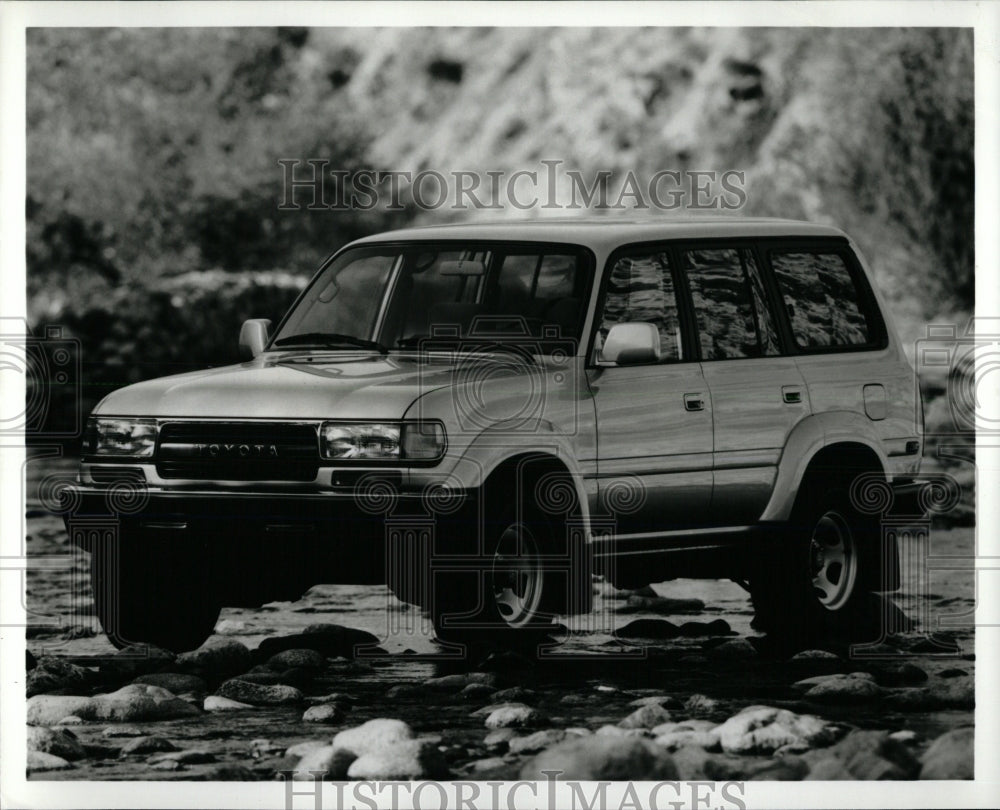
382,441
120,437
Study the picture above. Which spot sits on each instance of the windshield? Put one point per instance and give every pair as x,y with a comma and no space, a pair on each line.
444,297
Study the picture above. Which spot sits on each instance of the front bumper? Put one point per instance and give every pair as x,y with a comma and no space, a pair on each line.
326,536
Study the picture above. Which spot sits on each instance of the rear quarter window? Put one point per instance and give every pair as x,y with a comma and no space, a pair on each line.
825,304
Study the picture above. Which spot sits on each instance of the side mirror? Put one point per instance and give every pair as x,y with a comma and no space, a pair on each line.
253,337
631,343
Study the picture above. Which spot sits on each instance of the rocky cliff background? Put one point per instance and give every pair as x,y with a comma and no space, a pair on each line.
153,182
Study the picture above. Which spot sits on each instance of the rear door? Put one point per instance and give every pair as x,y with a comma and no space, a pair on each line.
654,421
758,396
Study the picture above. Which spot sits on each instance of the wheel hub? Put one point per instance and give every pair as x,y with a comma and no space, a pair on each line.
516,576
833,562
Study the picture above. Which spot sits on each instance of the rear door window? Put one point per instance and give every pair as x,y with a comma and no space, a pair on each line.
822,300
729,303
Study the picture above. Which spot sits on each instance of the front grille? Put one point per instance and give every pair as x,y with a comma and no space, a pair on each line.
241,451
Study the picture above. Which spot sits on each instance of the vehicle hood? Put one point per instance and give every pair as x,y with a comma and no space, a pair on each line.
286,387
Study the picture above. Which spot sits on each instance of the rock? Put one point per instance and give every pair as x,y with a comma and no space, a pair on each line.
661,604
700,704
666,701
602,758
696,764
372,736
779,769
646,717
499,739
328,639
764,729
573,699
30,662
216,703
716,627
40,761
950,756
53,676
514,715
618,731
257,694
692,660
536,742
227,627
187,757
955,693
217,657
58,742
301,749
147,745
844,689
262,748
952,672
122,731
324,713
515,694
806,684
289,677
453,683
137,659
488,764
867,755
829,769
906,736
296,658
328,761
901,674
701,733
71,720
476,692
342,698
404,690
175,682
648,628
736,649
166,765
402,760
48,710
814,655
129,704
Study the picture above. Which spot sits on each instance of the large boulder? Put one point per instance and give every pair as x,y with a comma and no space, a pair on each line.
950,756
58,742
296,659
402,760
372,736
764,729
864,755
848,688
131,703
601,757
53,676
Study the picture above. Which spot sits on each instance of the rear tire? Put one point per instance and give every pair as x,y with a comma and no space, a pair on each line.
153,590
813,581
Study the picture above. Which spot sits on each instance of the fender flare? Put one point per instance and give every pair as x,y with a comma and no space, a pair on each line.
809,437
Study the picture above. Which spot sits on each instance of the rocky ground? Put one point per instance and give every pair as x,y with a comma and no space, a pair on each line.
661,683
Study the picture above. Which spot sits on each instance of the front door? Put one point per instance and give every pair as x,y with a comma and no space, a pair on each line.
654,421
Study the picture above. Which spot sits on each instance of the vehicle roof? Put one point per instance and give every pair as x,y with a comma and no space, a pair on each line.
609,231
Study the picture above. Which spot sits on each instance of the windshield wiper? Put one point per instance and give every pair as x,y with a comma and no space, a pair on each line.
331,340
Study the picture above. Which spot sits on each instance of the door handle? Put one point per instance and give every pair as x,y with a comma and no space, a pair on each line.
694,402
793,396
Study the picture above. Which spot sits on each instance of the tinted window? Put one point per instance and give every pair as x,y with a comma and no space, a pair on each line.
726,305
641,288
821,299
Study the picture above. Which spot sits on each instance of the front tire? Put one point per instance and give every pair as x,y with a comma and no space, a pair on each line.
153,590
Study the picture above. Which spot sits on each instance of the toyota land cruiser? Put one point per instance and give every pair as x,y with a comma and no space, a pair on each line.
482,416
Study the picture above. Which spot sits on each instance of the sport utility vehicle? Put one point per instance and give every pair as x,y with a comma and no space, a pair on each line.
482,416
